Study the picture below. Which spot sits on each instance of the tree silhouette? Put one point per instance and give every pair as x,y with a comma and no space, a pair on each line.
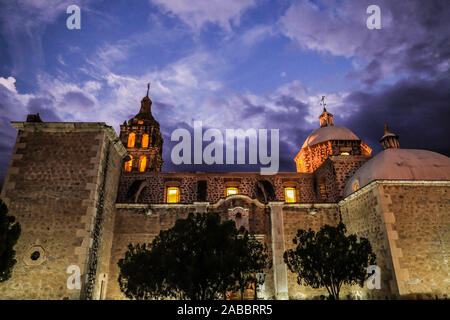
9,234
330,259
199,258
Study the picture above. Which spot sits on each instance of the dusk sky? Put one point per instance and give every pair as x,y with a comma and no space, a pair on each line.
231,64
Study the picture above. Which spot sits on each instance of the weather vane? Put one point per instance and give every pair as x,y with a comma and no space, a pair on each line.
322,102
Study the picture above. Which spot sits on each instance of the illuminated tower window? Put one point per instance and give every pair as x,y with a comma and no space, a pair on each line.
140,122
289,194
129,164
173,195
131,140
142,163
355,186
231,191
145,140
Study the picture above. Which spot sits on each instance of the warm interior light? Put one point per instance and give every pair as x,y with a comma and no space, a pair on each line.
129,164
142,163
231,191
355,187
131,140
345,154
145,140
289,194
173,195
140,122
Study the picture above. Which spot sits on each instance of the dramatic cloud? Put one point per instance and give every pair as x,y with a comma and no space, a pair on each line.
416,110
413,38
23,23
8,83
207,63
196,13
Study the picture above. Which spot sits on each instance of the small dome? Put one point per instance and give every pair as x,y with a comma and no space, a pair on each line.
329,133
400,164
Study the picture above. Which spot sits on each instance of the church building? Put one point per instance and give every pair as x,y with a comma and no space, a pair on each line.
82,194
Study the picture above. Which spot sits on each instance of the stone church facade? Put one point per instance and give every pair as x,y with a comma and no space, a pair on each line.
82,194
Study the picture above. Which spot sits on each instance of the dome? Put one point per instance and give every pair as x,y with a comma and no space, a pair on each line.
329,133
401,164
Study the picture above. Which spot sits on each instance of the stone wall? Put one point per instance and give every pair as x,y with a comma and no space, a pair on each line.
51,187
100,256
154,183
344,167
138,224
420,236
407,223
363,215
303,217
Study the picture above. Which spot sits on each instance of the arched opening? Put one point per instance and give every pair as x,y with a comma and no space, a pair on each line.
129,164
142,163
264,191
144,140
201,190
131,140
135,189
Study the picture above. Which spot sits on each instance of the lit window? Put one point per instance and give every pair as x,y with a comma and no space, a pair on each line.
345,154
231,191
131,140
144,140
129,164
355,186
173,195
289,194
140,122
142,163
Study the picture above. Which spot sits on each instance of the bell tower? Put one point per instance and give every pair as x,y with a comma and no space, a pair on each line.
326,118
142,138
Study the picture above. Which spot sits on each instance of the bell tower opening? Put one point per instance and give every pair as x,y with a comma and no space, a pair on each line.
143,140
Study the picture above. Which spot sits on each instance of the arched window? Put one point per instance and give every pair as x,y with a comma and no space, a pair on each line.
144,141
142,163
131,140
129,164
